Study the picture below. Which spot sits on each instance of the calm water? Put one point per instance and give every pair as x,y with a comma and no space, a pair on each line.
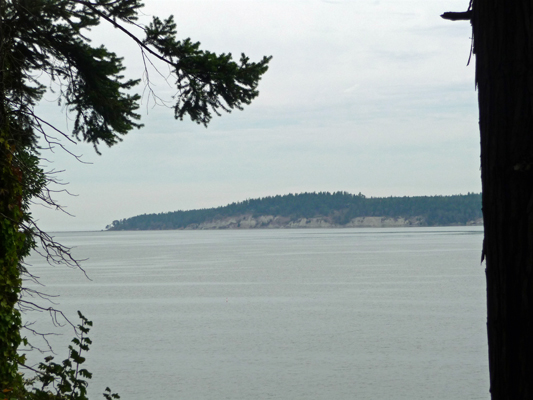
280,314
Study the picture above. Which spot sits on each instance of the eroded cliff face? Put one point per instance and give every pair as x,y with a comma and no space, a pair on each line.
272,222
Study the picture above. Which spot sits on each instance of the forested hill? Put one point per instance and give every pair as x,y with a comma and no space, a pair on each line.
324,209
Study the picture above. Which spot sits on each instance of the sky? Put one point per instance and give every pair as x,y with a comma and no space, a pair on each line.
371,97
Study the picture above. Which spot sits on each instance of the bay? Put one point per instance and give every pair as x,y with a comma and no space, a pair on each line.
278,314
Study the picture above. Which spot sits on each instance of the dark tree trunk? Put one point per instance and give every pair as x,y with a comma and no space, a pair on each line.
503,44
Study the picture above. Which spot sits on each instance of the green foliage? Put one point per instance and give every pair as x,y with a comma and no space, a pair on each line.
48,37
20,180
202,76
341,207
69,380
65,380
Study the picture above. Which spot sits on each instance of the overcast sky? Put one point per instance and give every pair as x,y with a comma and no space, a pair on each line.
361,96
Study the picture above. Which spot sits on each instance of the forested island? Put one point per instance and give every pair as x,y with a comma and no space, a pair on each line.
318,210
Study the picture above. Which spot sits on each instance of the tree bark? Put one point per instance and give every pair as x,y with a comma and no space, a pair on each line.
503,45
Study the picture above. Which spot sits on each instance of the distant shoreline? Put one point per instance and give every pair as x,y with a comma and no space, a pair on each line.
318,210
278,222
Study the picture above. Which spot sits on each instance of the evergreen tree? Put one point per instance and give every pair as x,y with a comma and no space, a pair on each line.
49,38
503,45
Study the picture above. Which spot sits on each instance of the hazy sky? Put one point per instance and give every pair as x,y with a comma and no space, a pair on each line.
361,96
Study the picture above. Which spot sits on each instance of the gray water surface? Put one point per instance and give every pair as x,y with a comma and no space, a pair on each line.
280,314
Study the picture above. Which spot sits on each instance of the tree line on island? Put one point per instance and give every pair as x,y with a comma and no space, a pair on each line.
340,208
